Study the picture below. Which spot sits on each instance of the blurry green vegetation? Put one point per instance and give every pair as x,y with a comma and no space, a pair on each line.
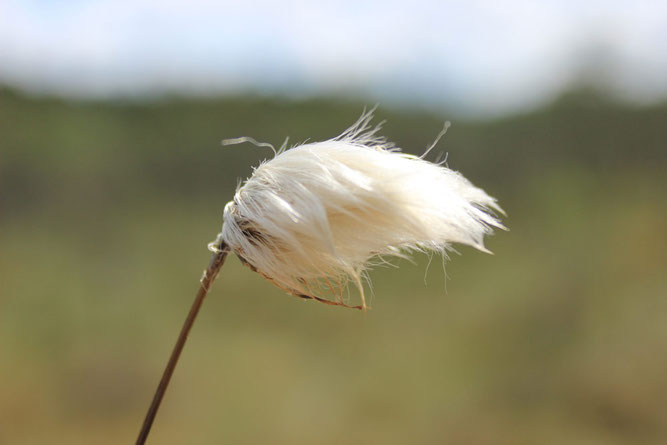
105,211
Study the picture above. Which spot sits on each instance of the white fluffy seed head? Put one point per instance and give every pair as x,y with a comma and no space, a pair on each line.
312,218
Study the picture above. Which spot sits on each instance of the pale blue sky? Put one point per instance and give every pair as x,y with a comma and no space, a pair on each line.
479,56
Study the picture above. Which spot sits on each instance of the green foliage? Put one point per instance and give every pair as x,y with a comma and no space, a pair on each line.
106,208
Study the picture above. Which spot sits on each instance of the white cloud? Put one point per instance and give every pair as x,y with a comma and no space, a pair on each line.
483,55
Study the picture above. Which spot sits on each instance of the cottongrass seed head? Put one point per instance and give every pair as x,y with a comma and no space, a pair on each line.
315,217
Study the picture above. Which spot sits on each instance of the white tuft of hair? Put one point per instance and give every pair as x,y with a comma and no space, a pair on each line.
314,217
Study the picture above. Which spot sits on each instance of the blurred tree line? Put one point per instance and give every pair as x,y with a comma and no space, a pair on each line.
91,153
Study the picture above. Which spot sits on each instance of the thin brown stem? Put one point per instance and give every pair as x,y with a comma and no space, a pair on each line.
217,260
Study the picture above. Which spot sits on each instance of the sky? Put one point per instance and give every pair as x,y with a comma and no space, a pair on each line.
476,56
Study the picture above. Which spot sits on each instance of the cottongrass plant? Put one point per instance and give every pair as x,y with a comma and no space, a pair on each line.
313,219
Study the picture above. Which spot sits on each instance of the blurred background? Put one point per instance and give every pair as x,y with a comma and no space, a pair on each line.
112,181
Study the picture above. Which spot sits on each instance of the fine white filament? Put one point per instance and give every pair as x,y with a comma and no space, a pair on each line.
316,215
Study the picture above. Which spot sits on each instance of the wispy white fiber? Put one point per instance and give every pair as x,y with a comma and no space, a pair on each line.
314,217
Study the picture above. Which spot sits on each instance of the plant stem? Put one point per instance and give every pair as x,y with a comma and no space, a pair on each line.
217,260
